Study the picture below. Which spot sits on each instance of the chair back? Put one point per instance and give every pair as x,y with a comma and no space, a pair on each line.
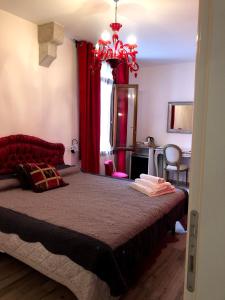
108,167
172,155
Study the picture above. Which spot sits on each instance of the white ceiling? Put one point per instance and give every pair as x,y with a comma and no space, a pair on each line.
165,29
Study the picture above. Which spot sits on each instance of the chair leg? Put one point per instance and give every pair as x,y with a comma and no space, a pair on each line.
187,177
178,177
167,175
164,174
173,229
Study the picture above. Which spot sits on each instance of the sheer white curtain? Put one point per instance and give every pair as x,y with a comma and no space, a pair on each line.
106,95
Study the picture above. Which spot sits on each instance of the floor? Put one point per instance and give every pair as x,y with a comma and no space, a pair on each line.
162,281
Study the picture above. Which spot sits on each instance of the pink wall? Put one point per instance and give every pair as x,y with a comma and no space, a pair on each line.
158,85
33,99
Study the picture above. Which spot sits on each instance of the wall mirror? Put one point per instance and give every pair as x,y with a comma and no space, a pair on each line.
125,115
180,117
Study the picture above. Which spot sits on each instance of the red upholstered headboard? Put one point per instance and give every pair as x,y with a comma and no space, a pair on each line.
16,149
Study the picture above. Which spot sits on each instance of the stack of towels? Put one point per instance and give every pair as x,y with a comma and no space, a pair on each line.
152,186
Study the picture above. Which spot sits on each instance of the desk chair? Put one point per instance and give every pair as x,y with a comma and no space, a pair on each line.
109,170
172,158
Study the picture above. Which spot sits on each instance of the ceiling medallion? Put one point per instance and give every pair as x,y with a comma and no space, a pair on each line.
115,51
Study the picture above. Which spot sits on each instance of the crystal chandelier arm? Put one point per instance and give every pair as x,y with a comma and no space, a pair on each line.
131,60
130,46
109,54
119,45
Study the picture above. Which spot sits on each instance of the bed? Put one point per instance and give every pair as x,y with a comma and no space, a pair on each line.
93,235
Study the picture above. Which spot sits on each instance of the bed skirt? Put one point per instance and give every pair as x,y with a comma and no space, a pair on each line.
84,284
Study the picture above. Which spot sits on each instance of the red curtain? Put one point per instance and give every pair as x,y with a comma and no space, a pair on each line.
122,77
122,74
89,102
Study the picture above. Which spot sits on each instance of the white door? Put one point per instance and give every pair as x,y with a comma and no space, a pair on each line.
207,188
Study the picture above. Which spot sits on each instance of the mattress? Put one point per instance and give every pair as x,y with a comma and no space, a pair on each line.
104,210
92,205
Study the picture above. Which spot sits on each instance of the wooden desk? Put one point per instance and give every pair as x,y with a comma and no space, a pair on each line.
159,151
142,161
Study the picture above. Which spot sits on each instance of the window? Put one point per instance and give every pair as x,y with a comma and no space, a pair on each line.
106,97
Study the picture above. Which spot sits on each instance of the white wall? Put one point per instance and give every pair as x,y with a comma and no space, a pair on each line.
36,100
158,85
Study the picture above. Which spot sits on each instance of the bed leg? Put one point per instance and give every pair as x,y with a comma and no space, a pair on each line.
173,229
183,222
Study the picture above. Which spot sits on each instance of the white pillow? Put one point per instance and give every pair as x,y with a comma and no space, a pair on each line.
9,183
69,171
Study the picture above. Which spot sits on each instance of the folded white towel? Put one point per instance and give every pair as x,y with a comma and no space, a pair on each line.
150,184
150,192
151,178
141,188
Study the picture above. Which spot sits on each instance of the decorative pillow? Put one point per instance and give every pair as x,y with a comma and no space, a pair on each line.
41,176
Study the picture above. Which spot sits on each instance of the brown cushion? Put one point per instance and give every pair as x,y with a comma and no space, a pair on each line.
40,177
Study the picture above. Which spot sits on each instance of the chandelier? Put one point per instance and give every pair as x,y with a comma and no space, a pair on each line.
115,51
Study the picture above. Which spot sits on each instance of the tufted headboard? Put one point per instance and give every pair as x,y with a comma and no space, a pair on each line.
16,149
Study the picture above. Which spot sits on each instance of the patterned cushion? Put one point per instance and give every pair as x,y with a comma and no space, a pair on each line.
40,176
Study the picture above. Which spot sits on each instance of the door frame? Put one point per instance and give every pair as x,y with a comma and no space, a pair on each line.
207,177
